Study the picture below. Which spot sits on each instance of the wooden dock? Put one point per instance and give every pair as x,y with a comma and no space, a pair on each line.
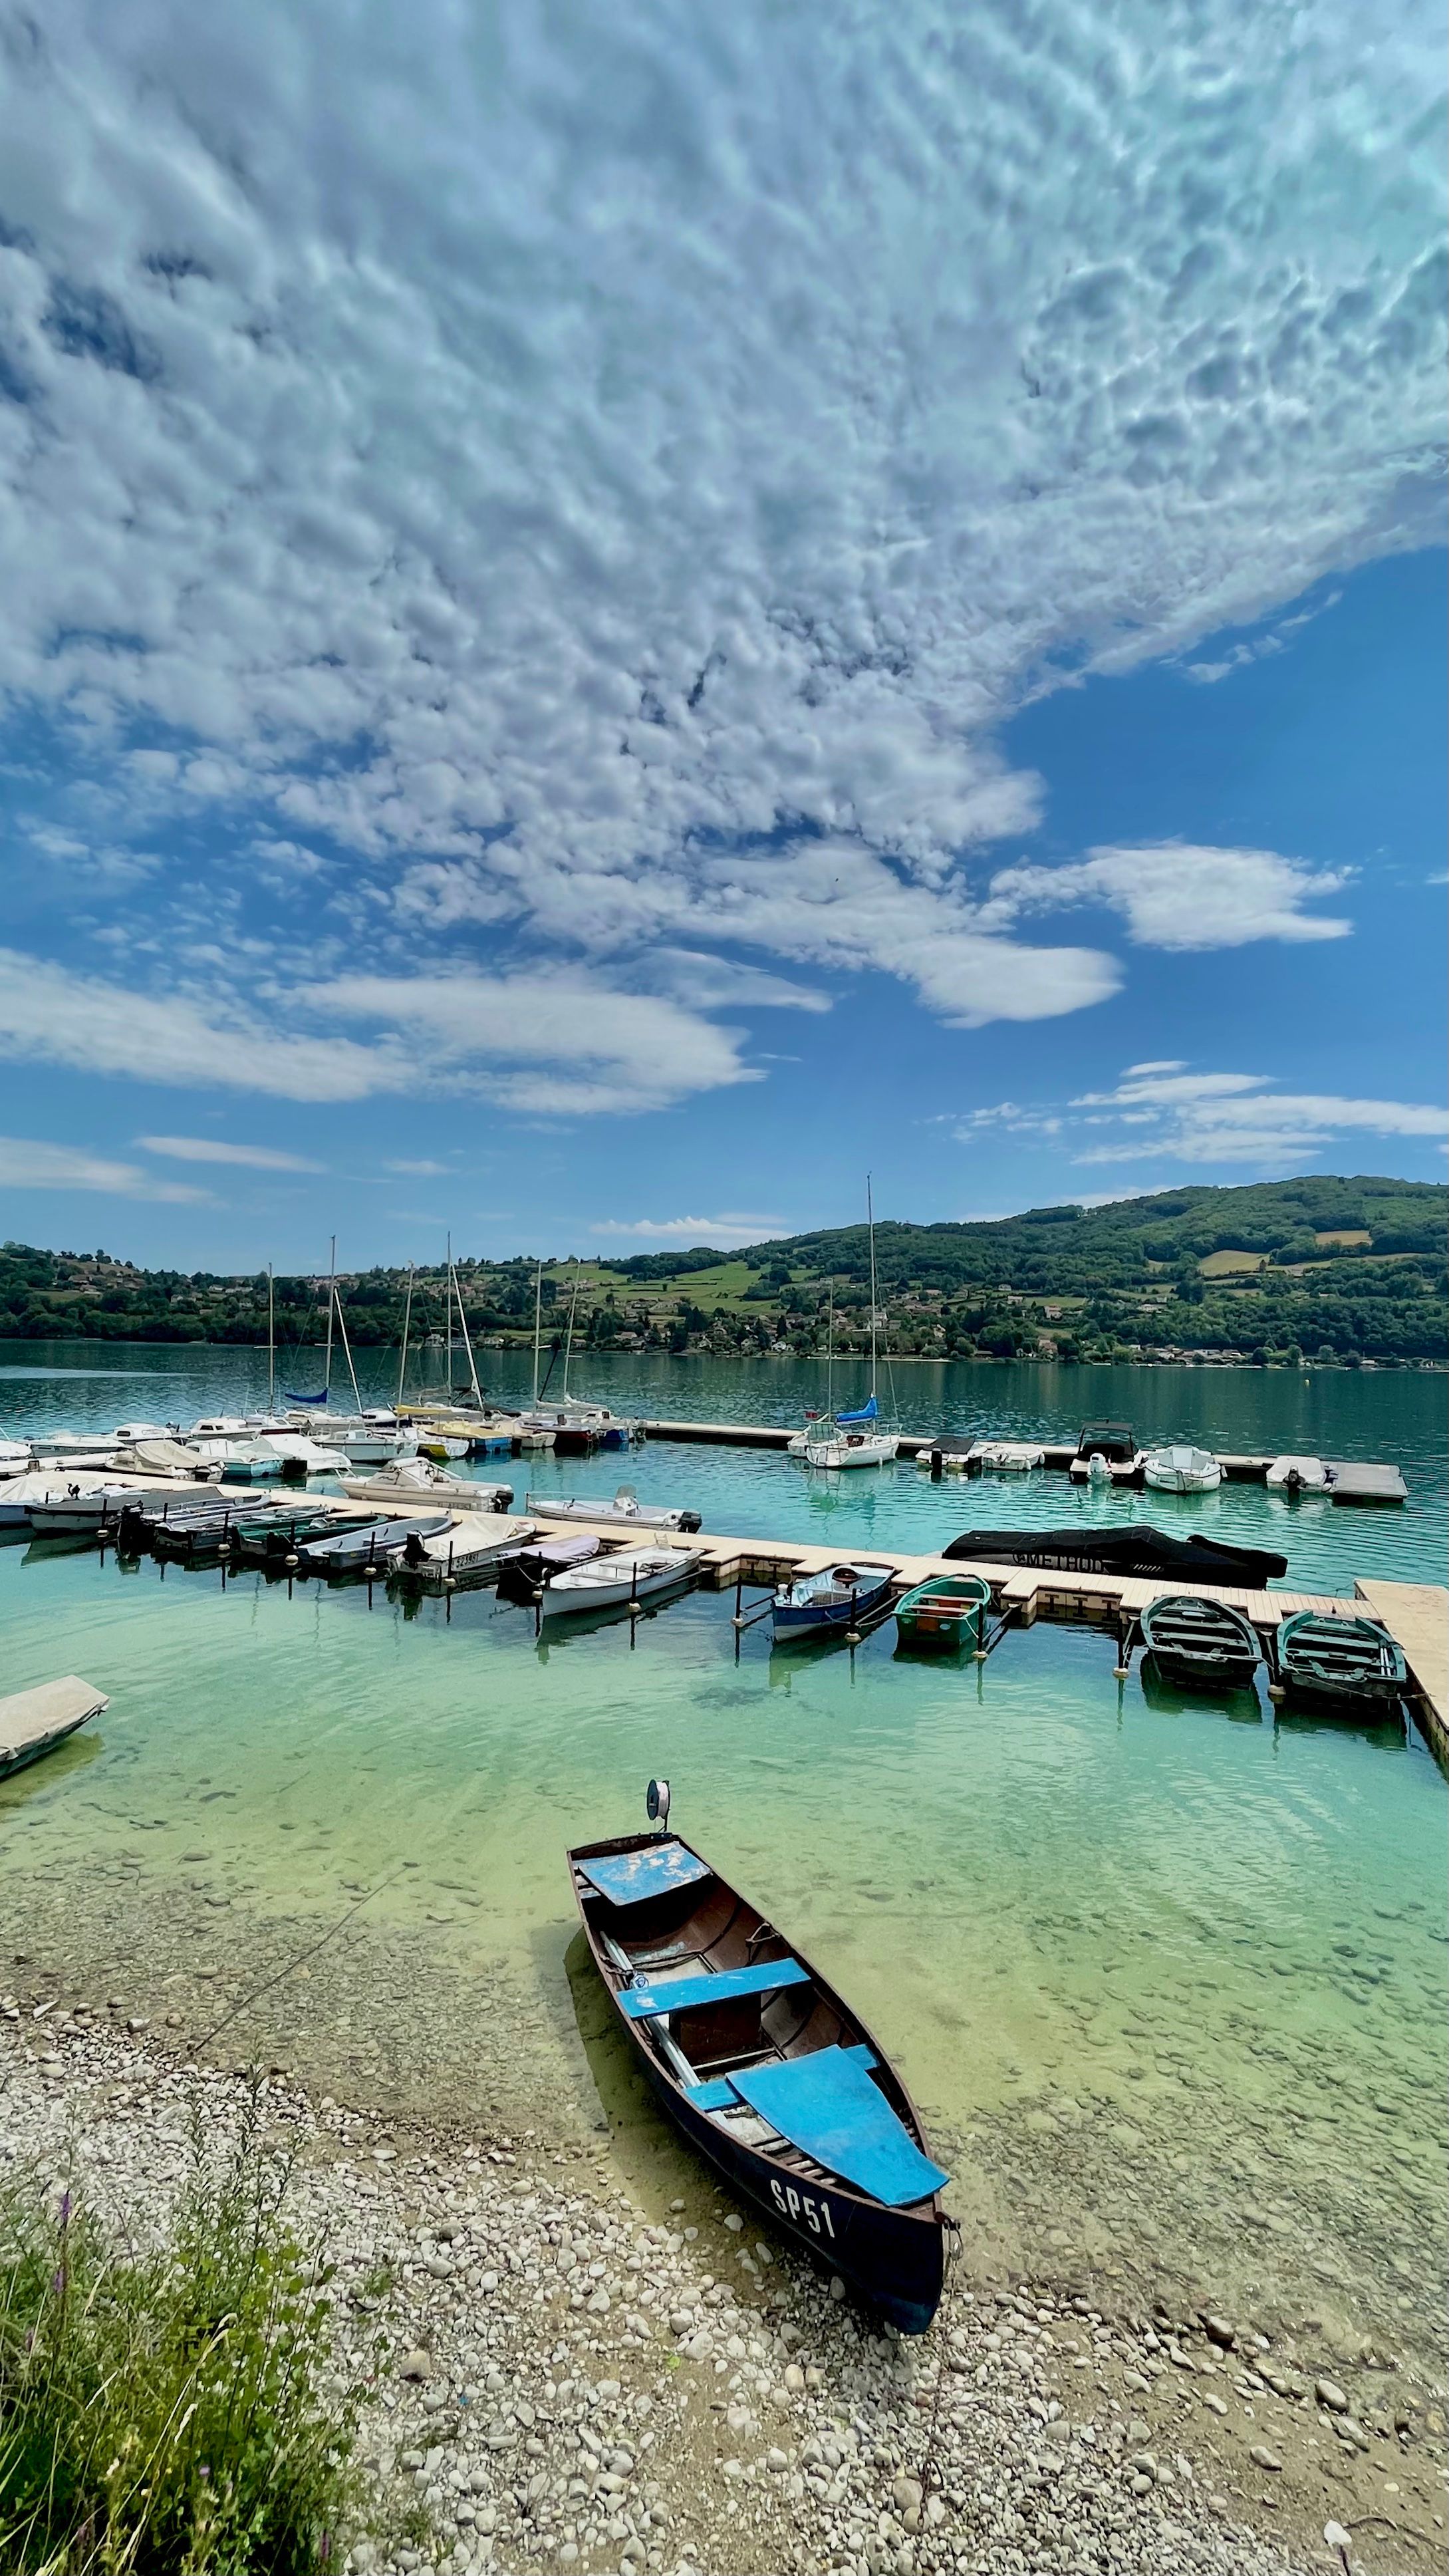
1355,1484
33,1722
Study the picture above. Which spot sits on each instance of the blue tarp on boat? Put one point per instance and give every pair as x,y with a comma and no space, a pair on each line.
293,1398
867,1413
826,2105
626,1878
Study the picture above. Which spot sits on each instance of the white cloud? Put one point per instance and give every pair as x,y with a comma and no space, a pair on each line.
1178,895
26,1164
422,1171
1164,1113
205,1149
537,459
692,1230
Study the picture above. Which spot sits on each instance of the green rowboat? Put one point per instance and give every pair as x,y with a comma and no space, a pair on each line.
946,1612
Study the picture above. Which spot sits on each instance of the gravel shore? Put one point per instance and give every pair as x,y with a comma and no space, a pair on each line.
550,2380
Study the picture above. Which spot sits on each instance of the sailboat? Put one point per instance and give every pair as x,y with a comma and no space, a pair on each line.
799,1441
370,1436
855,1440
572,1426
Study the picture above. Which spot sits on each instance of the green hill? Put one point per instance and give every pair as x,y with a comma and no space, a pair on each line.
1321,1268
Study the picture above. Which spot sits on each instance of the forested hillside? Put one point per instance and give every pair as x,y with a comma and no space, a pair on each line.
1324,1269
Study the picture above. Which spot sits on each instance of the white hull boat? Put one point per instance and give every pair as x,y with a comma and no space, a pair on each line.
625,1509
1300,1476
1008,1457
410,1478
78,1515
851,1449
475,1542
1181,1471
609,1582
47,1446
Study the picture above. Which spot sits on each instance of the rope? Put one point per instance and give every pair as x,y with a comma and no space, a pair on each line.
298,1960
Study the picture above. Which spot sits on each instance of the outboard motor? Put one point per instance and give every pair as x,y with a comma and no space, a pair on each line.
690,1521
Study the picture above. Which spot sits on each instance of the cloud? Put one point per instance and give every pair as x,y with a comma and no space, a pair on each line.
531,464
204,1149
28,1165
1177,895
693,1230
1165,1113
423,1171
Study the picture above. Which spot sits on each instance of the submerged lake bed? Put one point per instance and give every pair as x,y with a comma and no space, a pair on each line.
1167,1977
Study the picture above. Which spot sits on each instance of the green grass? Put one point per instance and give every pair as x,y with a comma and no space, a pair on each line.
160,2409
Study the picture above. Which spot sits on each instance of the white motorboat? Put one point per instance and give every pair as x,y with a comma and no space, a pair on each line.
474,1543
15,1457
407,1478
609,1582
1007,1457
78,1515
1181,1470
1300,1476
625,1508
19,1494
163,1456
69,1445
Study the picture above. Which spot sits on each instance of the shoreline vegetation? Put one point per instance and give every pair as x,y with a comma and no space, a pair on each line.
526,2363
1318,1272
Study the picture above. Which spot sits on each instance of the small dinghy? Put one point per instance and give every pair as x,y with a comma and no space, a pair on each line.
1181,1470
1299,1476
828,1603
1351,1665
1198,1644
78,1515
625,1508
1007,1457
357,1551
523,1571
945,1612
614,1582
763,2068
947,1455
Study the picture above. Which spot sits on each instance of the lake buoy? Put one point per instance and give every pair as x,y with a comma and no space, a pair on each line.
289,1560
1276,1691
1121,1671
852,1636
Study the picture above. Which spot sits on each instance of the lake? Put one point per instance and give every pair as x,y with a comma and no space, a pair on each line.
1168,1978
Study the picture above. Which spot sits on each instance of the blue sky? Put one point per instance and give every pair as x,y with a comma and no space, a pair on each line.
614,619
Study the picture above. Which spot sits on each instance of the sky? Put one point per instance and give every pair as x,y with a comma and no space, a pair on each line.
617,615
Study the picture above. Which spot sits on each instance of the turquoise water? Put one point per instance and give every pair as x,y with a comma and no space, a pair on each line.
1168,1978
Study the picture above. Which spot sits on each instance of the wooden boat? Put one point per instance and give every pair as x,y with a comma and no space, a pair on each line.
523,1571
1348,1664
33,1722
813,1605
947,1611
609,1582
1181,1470
375,1544
764,2069
1199,1644
625,1508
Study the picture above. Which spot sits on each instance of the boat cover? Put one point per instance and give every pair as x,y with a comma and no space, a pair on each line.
826,2105
627,1878
683,1994
867,1413
1132,1549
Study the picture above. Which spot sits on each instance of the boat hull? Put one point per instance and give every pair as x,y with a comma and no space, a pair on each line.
1347,1667
893,2257
563,1599
797,1620
939,1619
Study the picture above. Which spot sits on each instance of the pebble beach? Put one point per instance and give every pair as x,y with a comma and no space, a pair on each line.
551,2376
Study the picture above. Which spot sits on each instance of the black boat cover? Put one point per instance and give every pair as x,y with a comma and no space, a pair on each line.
1131,1549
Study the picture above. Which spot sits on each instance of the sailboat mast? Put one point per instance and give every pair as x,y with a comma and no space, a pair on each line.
271,1343
402,1366
476,1390
569,1337
347,1354
331,1303
537,1323
830,1349
870,1228
448,1301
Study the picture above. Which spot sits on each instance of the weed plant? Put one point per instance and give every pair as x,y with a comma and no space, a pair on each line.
161,2408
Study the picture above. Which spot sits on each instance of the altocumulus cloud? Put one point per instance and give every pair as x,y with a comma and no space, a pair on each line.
555,455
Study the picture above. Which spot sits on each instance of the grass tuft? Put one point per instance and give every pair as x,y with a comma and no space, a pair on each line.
161,2412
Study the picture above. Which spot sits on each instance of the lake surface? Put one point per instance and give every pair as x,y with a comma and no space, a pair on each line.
1167,1978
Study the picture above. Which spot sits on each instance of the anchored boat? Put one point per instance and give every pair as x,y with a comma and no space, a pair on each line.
947,1611
1199,1644
830,1602
523,1571
1181,1470
1299,1476
609,1582
1134,1548
409,1479
1343,1664
625,1508
762,2067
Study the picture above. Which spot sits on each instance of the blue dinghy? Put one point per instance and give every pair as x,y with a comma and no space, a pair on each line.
812,1605
763,2068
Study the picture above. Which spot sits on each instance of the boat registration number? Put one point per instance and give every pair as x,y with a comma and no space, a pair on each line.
803,2205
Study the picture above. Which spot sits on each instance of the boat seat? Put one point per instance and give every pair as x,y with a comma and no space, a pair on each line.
827,2105
721,2095
648,2001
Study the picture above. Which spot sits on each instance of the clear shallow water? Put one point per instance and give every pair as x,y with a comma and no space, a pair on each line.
1169,1978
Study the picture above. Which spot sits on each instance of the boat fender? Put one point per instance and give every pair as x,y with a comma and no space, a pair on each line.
657,1803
